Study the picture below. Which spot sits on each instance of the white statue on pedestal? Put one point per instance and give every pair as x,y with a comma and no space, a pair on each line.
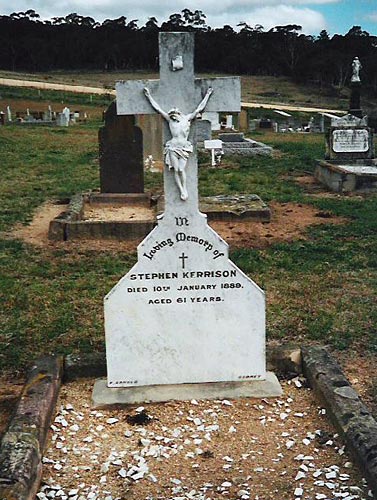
356,67
178,149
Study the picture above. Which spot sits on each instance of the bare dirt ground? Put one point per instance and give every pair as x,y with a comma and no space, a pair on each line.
12,82
288,222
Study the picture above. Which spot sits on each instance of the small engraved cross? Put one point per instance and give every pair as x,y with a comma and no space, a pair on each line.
183,257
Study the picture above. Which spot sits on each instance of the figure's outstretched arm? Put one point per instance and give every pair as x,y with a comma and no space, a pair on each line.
154,104
202,105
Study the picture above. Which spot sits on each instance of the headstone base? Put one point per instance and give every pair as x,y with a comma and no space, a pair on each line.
103,396
347,178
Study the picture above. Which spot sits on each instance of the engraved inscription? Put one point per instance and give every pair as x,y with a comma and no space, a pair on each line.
181,292
182,237
181,221
350,141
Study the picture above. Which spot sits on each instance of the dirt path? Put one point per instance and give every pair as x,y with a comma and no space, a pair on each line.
80,89
289,107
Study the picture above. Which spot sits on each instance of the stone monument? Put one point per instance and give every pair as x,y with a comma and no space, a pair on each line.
120,154
349,163
184,315
62,119
355,106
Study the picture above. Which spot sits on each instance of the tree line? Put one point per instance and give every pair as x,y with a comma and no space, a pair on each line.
78,42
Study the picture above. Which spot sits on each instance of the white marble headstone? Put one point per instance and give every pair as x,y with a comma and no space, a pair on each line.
184,313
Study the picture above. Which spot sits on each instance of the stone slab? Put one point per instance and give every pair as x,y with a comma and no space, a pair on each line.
232,137
22,445
246,147
248,152
346,178
104,396
358,169
351,417
235,208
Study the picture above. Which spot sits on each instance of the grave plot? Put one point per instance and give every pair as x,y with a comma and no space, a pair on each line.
248,449
350,164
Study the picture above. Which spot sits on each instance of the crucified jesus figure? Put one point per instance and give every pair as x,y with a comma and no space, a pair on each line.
178,149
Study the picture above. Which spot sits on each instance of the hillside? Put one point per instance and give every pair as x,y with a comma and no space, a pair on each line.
264,89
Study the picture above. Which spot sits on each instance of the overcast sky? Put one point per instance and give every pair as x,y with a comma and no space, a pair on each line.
336,16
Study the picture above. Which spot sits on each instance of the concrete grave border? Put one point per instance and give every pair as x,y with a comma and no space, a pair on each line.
21,449
340,178
70,225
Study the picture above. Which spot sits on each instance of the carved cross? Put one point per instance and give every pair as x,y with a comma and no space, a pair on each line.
178,88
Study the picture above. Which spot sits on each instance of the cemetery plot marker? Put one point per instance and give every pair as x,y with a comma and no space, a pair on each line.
184,313
350,164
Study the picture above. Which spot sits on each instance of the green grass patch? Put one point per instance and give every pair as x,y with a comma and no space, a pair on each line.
39,163
42,95
321,289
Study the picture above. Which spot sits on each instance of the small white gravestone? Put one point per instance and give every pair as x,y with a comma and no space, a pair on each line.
216,148
67,113
62,119
184,313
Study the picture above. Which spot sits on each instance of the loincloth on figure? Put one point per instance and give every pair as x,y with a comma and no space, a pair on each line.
174,152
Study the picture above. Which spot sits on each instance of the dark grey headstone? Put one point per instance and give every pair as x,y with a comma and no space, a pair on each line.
120,154
232,137
203,130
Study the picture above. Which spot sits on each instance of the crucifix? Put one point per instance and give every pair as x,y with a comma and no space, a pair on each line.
179,97
156,324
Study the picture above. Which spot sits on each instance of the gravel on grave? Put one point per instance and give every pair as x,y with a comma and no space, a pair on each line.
279,448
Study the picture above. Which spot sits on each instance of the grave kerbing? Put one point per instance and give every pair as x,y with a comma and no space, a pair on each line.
184,313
